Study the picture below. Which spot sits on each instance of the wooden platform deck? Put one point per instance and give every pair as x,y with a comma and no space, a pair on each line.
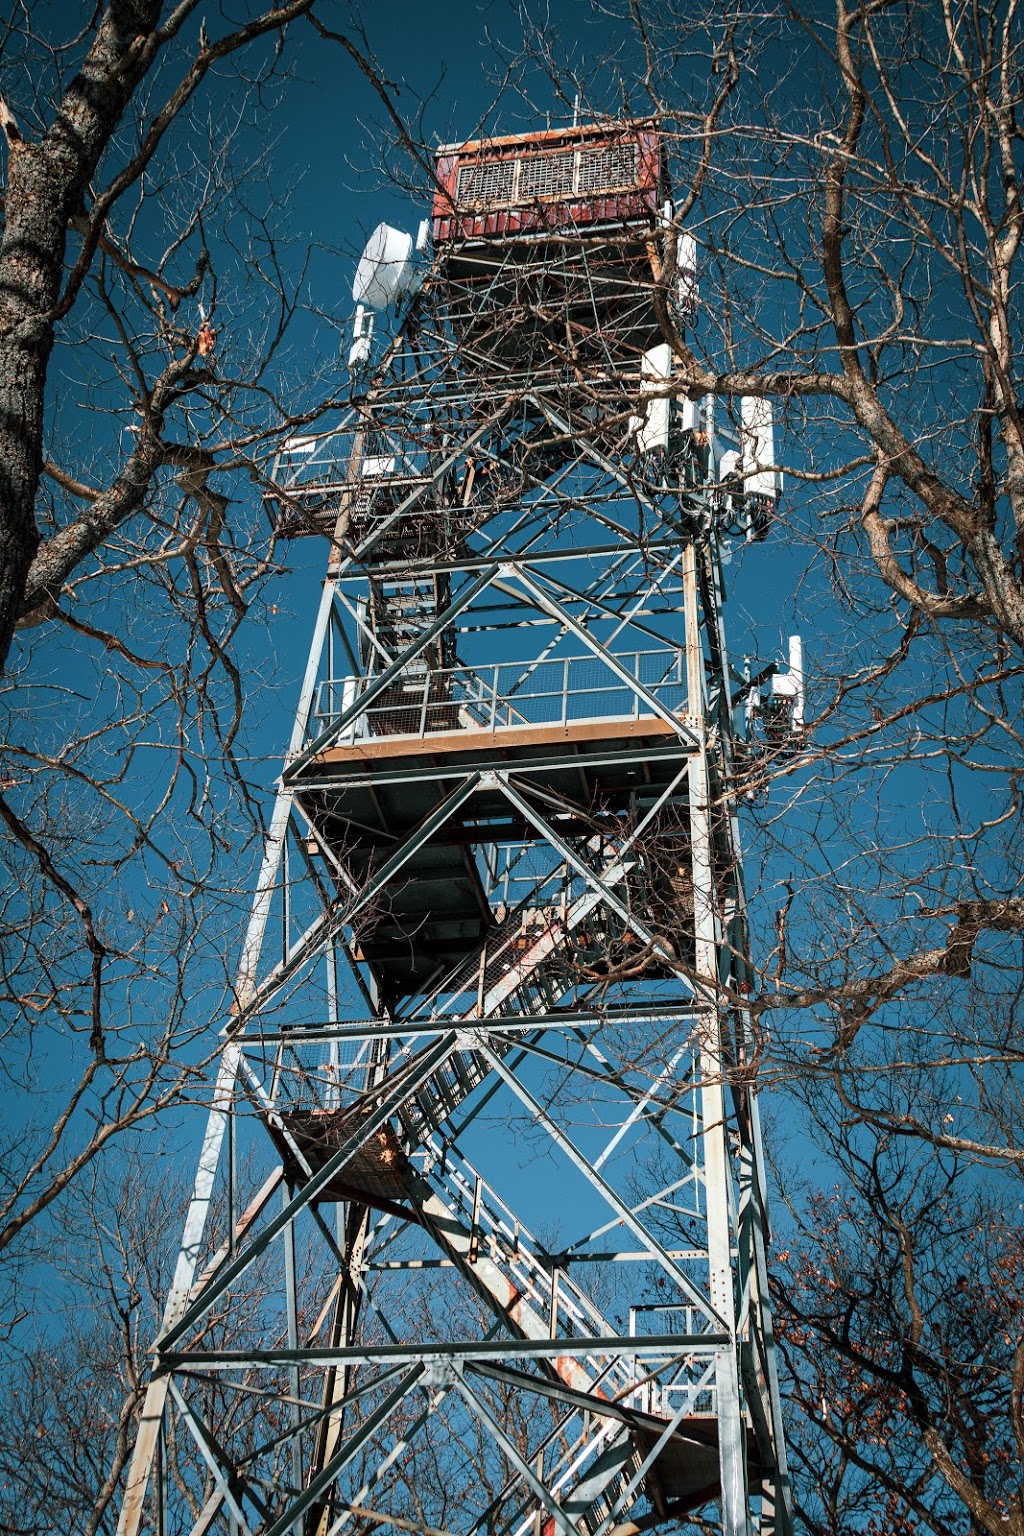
502,738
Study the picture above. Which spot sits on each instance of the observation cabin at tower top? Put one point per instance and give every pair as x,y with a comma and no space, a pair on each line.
537,183
564,219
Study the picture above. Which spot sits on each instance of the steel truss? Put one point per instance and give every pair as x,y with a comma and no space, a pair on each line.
477,1240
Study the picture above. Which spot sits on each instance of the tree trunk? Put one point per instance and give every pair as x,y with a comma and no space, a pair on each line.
46,187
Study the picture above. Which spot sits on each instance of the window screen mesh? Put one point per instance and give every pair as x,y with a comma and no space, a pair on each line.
607,166
546,176
568,173
488,181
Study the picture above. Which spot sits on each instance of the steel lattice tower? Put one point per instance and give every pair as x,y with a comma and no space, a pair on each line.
477,1242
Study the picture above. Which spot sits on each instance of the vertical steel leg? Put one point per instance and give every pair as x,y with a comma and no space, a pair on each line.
731,1429
292,1323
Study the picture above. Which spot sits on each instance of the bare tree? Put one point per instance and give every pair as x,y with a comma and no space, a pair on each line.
899,1305
79,1364
854,185
91,143
147,292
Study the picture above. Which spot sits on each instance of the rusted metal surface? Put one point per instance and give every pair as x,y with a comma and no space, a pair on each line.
529,184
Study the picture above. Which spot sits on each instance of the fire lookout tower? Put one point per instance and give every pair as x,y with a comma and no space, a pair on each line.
477,1242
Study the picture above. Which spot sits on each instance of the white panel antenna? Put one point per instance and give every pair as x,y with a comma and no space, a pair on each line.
757,441
362,339
729,479
686,280
386,270
790,684
655,371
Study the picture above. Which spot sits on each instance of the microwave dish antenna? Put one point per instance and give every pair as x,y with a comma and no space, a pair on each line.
385,272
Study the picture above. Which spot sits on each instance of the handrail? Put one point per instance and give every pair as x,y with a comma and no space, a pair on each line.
423,701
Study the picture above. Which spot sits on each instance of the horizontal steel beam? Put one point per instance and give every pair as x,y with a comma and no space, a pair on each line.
377,771
427,566
396,1029
625,1348
566,1259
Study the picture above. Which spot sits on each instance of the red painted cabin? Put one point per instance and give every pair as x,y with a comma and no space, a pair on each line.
524,184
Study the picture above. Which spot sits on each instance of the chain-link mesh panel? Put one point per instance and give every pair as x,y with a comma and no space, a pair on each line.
602,168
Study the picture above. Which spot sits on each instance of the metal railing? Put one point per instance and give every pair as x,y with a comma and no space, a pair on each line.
506,695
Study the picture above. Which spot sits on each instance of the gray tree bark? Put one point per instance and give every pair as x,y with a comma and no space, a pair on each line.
46,188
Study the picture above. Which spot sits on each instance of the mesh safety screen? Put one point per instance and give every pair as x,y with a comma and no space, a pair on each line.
607,166
546,176
487,181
